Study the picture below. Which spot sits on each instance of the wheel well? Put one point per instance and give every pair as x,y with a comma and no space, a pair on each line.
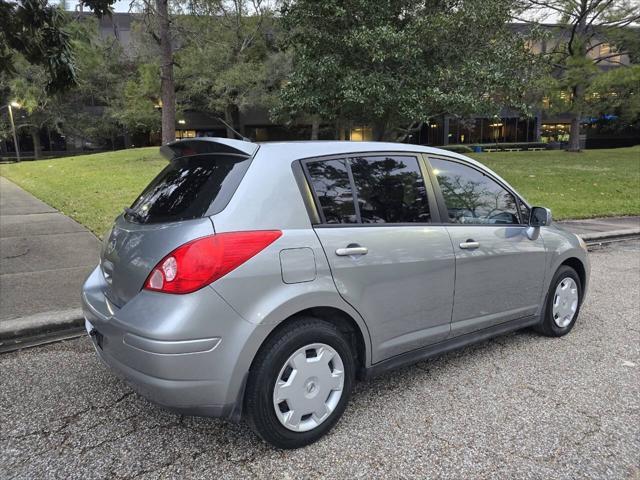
578,267
343,321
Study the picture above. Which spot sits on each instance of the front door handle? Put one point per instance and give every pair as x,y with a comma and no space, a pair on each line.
470,244
353,249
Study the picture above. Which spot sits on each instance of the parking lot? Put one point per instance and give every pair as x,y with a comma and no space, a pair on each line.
520,406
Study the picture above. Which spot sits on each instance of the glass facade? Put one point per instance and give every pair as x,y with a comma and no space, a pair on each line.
456,131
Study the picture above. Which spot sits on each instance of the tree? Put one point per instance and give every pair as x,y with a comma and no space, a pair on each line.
159,20
35,31
137,107
396,62
241,68
588,31
617,93
30,88
80,112
102,70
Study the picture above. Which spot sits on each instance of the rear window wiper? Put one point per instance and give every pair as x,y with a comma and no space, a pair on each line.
133,214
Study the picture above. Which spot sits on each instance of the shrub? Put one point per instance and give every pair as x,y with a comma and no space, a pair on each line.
502,146
457,148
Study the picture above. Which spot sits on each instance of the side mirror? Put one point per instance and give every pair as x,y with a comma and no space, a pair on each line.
540,217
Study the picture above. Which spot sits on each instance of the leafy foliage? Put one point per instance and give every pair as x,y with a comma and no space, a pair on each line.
137,107
398,61
242,67
37,31
591,35
617,92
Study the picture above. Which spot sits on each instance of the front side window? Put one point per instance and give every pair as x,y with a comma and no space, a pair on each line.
330,182
472,197
525,212
390,189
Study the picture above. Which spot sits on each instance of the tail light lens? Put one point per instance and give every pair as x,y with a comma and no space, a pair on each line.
204,260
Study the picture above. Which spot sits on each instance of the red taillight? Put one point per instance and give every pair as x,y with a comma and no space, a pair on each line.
204,260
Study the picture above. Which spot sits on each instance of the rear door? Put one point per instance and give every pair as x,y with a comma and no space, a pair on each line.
499,269
388,259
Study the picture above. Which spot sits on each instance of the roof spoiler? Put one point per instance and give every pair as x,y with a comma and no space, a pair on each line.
200,145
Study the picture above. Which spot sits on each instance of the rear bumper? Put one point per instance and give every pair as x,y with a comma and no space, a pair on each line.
189,397
188,353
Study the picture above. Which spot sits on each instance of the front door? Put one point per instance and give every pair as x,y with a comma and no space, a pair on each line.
499,269
388,261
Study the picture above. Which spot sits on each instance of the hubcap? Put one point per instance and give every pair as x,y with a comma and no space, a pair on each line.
565,302
308,387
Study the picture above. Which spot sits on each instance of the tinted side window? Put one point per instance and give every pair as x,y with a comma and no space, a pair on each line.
472,197
390,189
186,188
330,182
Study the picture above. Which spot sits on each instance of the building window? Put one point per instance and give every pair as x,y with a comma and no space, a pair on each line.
361,134
185,134
555,132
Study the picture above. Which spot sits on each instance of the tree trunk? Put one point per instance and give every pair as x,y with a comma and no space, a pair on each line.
379,131
37,147
228,118
315,127
537,132
574,133
126,139
167,85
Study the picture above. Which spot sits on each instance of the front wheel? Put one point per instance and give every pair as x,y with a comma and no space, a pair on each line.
300,383
563,303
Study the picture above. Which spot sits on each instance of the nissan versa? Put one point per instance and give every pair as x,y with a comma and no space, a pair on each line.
261,280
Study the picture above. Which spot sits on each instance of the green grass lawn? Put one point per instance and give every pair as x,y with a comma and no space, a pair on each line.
593,183
93,189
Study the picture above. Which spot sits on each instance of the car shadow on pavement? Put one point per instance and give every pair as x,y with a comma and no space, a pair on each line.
378,394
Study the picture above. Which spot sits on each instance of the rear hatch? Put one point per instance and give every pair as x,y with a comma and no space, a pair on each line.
172,210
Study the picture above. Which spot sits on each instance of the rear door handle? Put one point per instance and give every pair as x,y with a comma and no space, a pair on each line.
352,250
469,244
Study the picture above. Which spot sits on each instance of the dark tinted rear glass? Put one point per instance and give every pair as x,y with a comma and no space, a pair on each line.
390,189
187,187
330,181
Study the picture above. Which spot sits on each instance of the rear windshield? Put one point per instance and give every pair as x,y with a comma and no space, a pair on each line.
188,187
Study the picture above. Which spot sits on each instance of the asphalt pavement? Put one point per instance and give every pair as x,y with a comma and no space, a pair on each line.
520,406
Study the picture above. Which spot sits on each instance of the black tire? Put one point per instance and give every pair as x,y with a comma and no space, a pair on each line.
272,356
548,325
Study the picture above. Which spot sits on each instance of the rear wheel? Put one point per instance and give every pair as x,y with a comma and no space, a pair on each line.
563,303
300,383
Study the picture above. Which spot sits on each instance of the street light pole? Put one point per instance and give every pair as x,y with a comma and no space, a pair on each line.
13,129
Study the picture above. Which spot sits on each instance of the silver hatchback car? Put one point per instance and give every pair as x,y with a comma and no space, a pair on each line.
261,280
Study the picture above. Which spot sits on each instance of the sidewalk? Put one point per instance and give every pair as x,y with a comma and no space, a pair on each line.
44,258
596,229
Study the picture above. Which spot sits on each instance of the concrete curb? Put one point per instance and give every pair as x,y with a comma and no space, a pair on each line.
610,235
40,324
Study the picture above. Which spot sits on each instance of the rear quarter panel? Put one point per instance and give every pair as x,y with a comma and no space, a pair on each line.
269,199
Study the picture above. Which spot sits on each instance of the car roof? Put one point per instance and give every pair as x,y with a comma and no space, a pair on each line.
301,149
317,148
298,150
